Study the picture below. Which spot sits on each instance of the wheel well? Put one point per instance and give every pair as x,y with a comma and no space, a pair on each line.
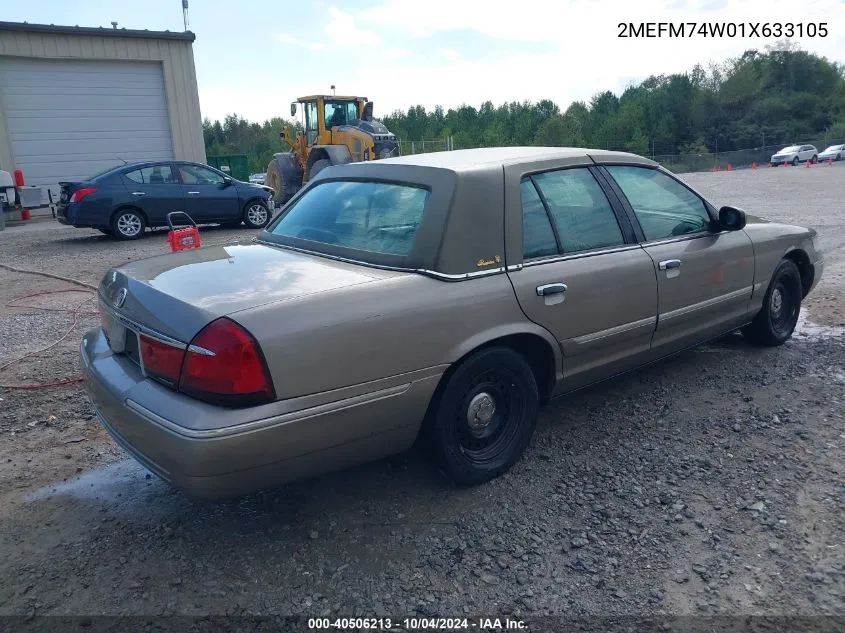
807,270
127,207
253,199
533,348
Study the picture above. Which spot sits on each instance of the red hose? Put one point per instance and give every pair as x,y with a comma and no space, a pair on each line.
75,312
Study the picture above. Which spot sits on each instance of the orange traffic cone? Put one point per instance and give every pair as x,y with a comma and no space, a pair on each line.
730,167
753,165
829,161
26,215
807,164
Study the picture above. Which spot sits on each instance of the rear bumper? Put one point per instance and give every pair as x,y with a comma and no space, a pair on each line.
229,461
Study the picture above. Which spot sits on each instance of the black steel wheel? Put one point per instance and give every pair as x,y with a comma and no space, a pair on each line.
485,416
776,321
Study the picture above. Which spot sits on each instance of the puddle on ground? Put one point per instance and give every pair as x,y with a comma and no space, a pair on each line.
115,482
807,330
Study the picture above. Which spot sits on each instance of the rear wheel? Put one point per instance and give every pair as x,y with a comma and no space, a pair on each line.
776,321
256,214
814,159
485,416
128,224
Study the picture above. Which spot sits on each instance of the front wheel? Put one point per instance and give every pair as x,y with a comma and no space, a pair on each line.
485,416
776,321
128,224
256,215
794,161
814,159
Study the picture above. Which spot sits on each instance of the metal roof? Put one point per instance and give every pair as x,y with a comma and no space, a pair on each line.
26,27
461,159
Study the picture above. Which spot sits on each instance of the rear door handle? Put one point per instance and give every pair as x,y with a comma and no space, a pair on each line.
668,264
551,289
193,193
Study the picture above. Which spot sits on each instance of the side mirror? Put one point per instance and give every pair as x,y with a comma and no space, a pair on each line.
293,109
731,218
368,111
227,181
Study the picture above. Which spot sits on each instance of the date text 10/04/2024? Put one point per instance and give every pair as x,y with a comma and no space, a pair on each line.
417,624
722,29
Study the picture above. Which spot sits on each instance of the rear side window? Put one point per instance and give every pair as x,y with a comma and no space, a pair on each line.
155,175
582,214
377,217
538,238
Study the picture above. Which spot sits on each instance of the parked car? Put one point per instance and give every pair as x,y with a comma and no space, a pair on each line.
834,152
125,200
257,179
795,154
440,297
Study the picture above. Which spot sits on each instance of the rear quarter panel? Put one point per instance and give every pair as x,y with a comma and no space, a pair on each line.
356,335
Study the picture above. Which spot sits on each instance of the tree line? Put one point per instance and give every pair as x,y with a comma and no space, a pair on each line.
777,96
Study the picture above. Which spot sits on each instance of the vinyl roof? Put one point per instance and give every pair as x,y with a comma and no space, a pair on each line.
26,27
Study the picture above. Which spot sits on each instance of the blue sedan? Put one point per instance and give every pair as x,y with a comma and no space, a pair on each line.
123,201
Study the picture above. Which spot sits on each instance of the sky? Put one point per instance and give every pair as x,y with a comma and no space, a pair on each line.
253,57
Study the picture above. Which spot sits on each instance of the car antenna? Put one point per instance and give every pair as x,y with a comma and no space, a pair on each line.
125,162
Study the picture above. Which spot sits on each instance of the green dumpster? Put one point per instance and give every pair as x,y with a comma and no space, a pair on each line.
235,165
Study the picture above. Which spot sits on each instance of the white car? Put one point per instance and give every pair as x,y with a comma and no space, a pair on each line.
834,152
257,179
795,154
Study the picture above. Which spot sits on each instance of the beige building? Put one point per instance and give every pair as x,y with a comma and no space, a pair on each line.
75,101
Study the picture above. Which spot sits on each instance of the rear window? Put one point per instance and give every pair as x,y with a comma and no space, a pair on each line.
374,217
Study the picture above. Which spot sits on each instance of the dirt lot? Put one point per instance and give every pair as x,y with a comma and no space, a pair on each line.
712,483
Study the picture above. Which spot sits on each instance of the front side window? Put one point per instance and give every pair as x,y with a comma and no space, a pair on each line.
582,214
375,217
195,175
663,206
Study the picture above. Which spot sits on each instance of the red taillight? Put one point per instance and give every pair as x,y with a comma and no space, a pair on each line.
224,365
161,360
81,193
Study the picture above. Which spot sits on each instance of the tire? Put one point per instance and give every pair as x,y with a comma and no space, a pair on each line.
839,157
275,177
776,321
384,153
128,224
473,454
794,161
318,166
814,159
256,214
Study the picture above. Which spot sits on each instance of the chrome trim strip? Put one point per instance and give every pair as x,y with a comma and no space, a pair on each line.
561,258
200,350
285,418
472,275
142,329
668,316
619,329
682,238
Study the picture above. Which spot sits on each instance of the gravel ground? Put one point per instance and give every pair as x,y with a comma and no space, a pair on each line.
711,483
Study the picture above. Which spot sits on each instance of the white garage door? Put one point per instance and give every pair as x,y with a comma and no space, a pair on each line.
68,119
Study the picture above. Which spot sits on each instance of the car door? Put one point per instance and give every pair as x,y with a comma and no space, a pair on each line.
581,274
705,275
156,190
208,196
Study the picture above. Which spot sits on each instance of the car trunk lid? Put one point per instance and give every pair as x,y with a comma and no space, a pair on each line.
177,294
